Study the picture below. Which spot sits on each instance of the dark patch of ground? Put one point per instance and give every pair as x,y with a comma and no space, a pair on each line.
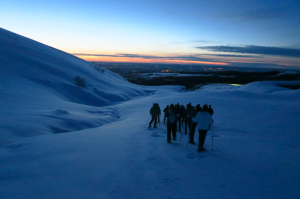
226,77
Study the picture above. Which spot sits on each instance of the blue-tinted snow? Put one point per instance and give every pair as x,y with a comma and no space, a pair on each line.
61,141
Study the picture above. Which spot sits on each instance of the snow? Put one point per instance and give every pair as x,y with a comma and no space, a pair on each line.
59,140
287,72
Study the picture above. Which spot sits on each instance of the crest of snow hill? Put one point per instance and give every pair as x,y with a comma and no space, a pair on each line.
39,83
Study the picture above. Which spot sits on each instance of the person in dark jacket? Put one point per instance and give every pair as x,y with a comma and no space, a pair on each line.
159,113
193,124
177,112
154,111
198,108
210,110
182,114
165,111
187,118
189,110
171,123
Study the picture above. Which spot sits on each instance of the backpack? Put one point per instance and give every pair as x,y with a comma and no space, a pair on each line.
171,118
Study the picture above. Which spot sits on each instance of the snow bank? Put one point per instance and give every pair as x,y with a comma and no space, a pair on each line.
267,86
261,87
253,87
287,72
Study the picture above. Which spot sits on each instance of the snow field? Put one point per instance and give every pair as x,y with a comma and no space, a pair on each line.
58,140
124,160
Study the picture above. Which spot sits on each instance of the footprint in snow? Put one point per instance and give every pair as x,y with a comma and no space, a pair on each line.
192,156
155,135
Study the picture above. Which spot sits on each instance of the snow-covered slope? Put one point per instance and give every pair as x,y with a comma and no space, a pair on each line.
110,153
33,75
256,152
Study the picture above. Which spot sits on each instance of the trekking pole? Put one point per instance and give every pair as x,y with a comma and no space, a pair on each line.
180,137
212,138
159,124
181,134
188,140
147,121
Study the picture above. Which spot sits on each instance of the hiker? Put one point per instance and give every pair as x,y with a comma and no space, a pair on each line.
198,108
188,122
171,124
193,113
165,111
182,114
154,112
177,112
210,110
159,113
204,120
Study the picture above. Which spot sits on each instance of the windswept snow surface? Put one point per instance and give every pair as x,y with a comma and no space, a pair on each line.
256,136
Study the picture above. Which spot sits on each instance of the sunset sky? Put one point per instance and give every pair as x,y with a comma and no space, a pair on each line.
245,33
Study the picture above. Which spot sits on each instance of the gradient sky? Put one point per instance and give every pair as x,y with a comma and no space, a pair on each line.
233,32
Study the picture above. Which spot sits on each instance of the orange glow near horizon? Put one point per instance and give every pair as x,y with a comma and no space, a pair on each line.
143,60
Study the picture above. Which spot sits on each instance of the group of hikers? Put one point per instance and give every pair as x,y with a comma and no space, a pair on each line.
193,117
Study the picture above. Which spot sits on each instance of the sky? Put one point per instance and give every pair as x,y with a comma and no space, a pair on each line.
240,33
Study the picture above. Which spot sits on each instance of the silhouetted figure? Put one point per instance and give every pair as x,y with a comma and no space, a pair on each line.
154,111
171,123
193,125
198,108
159,113
189,110
183,114
177,111
165,111
210,110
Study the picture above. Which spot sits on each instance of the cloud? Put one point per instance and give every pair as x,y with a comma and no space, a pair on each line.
258,50
229,55
195,41
198,58
185,58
